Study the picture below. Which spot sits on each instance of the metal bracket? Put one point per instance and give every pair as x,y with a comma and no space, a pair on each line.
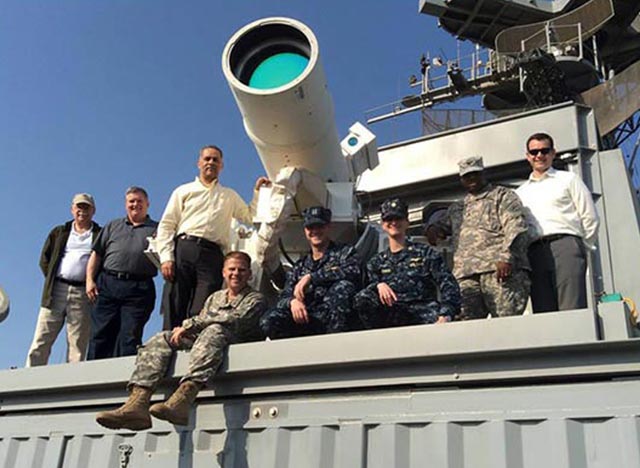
125,454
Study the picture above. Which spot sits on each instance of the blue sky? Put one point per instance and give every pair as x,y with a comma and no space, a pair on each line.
99,95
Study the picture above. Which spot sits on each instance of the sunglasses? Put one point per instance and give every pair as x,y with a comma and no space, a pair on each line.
543,151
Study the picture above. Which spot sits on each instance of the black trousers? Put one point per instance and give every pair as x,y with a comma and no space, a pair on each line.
558,269
198,273
118,318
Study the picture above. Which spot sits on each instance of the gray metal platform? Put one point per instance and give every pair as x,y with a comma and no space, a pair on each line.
519,391
558,388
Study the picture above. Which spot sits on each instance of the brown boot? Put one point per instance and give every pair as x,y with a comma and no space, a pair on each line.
176,408
134,414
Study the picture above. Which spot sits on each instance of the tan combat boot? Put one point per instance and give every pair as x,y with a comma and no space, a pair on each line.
176,408
133,415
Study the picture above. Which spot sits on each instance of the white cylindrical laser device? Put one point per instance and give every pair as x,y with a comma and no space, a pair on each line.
273,68
4,305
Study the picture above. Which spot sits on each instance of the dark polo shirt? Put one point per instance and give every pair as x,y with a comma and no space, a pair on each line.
121,246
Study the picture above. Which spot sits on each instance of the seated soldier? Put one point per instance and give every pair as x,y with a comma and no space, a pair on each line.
229,316
402,280
317,294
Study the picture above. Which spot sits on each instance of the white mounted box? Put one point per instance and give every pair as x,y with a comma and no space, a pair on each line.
360,150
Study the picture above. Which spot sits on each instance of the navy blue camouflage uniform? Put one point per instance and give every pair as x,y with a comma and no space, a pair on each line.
334,280
416,274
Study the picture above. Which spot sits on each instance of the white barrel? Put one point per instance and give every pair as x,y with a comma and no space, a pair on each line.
287,111
4,304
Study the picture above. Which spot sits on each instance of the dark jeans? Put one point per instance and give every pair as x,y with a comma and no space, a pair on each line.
119,315
558,269
198,274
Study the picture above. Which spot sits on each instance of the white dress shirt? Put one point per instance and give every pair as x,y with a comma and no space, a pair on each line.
73,265
559,203
201,211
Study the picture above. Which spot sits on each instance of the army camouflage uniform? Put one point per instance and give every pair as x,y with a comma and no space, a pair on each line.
415,274
334,279
220,323
488,227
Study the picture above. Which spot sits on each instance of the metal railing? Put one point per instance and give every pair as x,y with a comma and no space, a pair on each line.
481,64
556,40
592,16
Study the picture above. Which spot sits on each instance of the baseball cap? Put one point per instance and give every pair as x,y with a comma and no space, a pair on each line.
316,215
472,164
83,198
394,208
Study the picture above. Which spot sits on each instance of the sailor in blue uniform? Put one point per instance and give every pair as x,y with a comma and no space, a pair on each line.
319,289
404,280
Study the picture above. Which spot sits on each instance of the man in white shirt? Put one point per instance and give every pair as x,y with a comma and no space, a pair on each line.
564,224
193,235
63,262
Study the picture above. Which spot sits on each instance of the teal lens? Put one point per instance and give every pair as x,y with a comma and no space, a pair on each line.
278,70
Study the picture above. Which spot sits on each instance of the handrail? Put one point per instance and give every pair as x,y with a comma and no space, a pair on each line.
592,16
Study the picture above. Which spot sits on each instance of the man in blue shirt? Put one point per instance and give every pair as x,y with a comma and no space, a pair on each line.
120,280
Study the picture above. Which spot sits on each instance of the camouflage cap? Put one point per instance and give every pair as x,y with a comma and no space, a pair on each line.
394,208
472,164
316,215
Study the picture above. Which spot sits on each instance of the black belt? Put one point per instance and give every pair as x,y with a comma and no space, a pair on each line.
552,237
71,282
126,276
199,240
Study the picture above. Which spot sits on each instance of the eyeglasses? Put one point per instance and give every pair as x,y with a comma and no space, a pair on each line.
543,151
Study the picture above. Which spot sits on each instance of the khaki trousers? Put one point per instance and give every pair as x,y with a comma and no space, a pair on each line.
68,303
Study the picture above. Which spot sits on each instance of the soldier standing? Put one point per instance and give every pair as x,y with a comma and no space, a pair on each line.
404,280
489,237
317,295
229,316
